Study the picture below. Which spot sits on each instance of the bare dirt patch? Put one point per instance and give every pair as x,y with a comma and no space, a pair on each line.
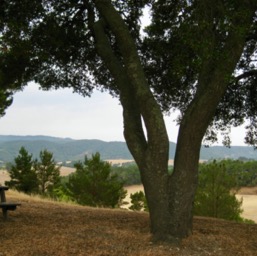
42,227
248,191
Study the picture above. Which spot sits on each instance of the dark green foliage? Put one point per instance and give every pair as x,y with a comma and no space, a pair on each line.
61,192
245,172
197,32
53,42
138,201
23,175
129,174
63,149
92,184
214,196
48,173
5,100
33,176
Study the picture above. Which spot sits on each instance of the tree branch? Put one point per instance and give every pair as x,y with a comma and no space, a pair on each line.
246,75
149,108
133,128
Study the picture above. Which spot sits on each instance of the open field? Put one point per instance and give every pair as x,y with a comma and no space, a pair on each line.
44,228
4,176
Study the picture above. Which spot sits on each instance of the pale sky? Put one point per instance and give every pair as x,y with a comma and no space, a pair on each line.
64,114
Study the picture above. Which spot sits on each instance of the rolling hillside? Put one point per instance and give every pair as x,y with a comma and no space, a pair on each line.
66,149
41,227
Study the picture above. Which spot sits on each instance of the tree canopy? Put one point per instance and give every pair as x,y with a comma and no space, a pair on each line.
54,43
48,173
190,40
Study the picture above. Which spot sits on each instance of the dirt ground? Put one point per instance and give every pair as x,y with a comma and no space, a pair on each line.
43,228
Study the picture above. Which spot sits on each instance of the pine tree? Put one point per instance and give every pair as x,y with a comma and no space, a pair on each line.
48,173
215,196
92,184
22,173
138,202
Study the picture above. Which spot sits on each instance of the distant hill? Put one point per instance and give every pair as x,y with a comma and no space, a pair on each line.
66,149
235,152
63,149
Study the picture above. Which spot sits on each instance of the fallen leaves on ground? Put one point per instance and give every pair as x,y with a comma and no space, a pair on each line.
44,228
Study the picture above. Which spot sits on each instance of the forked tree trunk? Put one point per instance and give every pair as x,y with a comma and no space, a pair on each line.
170,197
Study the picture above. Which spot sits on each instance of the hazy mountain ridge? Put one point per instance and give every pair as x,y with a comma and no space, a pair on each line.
63,149
4,138
67,149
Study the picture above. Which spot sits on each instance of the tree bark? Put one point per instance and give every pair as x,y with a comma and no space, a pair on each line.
170,197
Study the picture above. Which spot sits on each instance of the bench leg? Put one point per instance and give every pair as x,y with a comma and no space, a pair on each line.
4,213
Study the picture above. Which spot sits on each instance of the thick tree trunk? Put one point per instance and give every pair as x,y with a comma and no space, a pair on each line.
183,184
154,174
170,197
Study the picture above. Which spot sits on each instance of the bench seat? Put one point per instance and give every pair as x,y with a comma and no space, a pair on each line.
8,206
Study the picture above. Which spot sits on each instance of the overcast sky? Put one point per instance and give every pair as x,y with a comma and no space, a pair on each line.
63,114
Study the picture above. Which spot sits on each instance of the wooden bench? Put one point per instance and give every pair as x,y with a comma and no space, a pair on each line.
6,206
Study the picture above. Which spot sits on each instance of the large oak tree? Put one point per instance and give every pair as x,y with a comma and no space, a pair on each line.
187,60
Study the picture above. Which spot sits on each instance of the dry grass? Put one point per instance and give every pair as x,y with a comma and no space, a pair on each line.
41,227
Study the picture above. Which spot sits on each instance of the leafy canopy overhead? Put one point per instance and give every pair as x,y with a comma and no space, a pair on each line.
181,43
54,44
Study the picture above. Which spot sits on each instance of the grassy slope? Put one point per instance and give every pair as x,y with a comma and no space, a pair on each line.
41,227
